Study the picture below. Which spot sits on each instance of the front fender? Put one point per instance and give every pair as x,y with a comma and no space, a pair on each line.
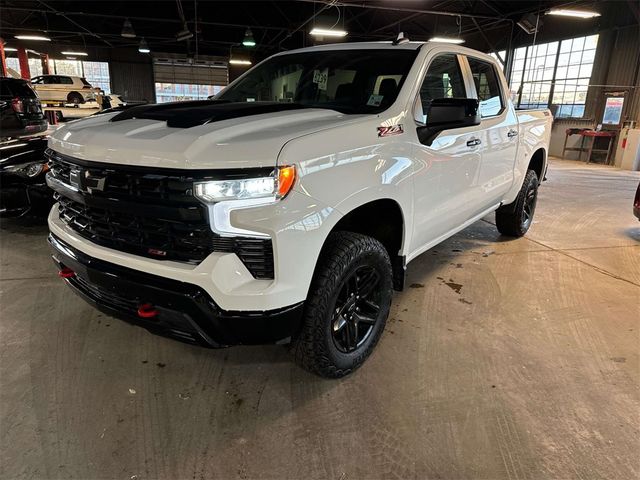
350,167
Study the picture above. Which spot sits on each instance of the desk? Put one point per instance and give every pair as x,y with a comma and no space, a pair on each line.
593,134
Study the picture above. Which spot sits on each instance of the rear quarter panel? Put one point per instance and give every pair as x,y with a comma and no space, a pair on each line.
534,132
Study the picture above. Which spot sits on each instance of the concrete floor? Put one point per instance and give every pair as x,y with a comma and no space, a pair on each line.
514,359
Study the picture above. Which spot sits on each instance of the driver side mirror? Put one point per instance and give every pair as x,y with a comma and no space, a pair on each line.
446,114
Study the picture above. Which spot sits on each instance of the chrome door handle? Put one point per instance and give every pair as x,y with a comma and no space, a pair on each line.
512,133
474,142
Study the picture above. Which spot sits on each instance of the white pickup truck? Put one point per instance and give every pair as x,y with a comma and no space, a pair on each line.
286,209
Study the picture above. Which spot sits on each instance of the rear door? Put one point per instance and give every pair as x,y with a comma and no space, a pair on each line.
498,130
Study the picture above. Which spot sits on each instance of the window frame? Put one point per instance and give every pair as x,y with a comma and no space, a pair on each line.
465,81
503,99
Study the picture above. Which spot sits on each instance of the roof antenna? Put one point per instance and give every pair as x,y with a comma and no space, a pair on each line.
400,39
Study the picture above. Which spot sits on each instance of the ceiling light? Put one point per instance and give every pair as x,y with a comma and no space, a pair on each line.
78,54
238,61
10,49
573,13
33,37
248,41
328,32
446,40
143,47
127,29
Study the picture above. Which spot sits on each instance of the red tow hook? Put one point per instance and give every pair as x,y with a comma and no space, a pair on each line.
66,272
146,310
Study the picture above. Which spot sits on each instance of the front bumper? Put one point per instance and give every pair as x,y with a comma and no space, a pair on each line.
184,311
17,199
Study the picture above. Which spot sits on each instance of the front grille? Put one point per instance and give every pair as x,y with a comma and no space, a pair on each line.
147,212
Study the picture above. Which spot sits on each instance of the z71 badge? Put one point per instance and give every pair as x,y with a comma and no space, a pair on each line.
389,131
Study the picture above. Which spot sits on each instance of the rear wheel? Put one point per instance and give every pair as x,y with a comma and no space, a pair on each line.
516,218
75,98
347,307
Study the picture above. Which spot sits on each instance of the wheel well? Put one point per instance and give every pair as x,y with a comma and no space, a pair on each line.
382,220
537,163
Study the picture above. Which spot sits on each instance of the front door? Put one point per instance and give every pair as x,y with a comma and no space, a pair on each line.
446,172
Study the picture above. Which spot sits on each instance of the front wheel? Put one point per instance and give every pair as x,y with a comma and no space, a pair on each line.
515,219
347,307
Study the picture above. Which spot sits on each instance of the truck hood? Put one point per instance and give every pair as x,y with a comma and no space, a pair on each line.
248,140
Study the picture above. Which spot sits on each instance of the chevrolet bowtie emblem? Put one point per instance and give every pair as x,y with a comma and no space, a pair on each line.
85,182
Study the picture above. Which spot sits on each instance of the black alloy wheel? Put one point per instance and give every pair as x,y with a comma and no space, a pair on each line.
529,207
357,309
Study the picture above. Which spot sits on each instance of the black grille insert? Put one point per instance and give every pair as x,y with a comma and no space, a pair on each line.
147,212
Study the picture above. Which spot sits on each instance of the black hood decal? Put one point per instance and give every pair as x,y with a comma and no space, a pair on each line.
201,112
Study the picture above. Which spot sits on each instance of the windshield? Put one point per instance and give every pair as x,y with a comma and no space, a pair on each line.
16,88
349,81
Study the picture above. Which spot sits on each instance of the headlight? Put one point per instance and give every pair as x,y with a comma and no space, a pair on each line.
29,170
224,196
274,187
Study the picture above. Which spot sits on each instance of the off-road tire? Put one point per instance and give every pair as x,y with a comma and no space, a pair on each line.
314,347
515,219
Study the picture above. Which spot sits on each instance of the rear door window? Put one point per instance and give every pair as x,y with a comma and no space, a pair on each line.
487,84
66,80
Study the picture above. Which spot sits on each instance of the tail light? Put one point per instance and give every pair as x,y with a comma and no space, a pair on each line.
18,105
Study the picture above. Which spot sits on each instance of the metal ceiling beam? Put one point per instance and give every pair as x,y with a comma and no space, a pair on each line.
405,9
59,13
145,19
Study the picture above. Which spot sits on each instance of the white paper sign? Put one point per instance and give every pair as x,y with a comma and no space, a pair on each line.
320,77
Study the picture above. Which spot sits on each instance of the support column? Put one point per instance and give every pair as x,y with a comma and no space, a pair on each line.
24,63
46,66
3,60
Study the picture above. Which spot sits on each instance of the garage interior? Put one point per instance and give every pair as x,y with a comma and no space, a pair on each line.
502,359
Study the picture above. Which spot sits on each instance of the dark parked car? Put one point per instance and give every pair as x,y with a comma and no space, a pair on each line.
20,110
22,177
636,203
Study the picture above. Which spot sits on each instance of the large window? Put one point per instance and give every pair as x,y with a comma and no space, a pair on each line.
563,68
178,92
97,74
575,65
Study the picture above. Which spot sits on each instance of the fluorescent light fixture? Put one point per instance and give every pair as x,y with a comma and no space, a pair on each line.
77,54
447,40
573,13
143,47
238,61
327,32
33,37
10,49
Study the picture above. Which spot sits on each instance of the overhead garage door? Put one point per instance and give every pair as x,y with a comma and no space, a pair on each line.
186,79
